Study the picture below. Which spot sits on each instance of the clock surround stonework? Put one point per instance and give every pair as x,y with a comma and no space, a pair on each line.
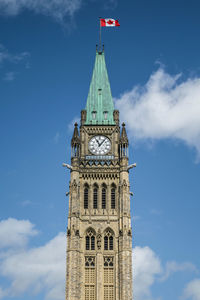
99,234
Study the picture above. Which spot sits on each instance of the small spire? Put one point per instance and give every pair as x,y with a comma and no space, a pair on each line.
75,137
124,138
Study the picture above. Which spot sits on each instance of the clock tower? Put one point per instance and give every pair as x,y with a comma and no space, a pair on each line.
99,235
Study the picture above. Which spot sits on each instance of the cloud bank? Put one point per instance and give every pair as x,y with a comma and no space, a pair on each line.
57,9
147,267
192,290
33,270
15,233
165,107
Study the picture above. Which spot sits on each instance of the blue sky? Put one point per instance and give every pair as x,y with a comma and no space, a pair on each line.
47,53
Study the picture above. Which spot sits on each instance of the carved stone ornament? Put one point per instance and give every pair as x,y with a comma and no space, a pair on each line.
124,184
74,185
99,240
68,232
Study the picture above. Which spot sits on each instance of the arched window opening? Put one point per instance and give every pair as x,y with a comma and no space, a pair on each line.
108,240
113,198
105,243
111,242
86,197
103,198
92,243
87,242
95,198
90,240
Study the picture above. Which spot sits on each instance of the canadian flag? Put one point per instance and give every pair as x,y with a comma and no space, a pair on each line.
109,22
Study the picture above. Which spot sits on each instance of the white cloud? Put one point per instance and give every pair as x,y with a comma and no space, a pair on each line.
38,269
34,270
14,233
172,267
6,56
192,290
57,9
163,108
147,267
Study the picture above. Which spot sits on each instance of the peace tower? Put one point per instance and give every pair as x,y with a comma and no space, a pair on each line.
99,235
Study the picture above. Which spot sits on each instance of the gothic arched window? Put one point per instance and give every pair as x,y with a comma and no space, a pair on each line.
113,197
108,240
95,197
103,197
86,197
90,240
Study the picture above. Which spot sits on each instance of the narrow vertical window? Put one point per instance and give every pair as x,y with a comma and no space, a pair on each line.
113,198
92,243
105,243
103,198
108,278
86,198
87,240
90,240
111,242
95,198
90,278
108,240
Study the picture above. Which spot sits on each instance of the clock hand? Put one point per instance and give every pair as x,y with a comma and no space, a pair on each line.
97,142
102,142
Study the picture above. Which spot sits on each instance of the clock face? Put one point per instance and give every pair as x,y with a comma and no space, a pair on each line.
99,145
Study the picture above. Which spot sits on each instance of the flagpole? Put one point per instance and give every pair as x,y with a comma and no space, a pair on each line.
99,33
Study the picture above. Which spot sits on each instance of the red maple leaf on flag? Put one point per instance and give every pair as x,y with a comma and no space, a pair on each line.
110,22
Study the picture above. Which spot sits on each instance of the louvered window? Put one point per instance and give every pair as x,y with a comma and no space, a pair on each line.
108,278
113,198
90,278
86,198
95,198
105,243
103,198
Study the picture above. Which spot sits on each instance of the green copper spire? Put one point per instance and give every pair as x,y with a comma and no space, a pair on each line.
100,105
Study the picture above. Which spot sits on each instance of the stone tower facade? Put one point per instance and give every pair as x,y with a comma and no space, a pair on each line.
99,235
